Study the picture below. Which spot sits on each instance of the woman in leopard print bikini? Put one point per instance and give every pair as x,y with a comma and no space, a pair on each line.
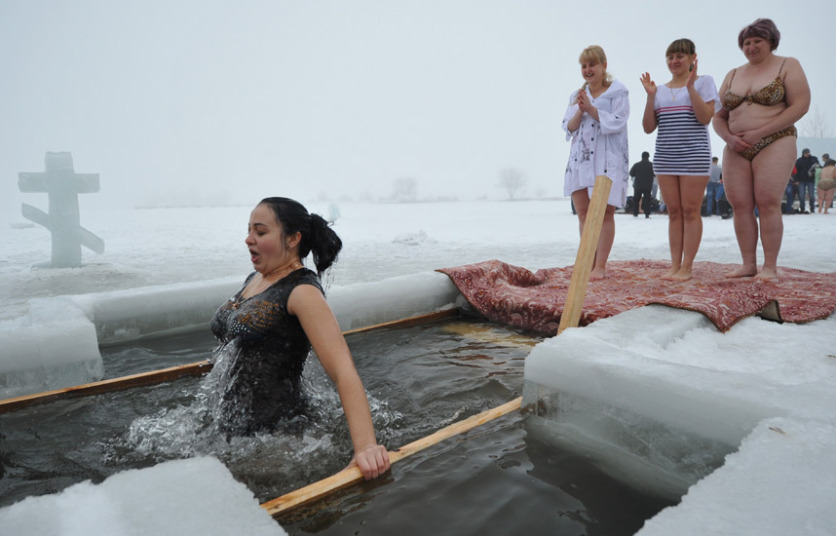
762,101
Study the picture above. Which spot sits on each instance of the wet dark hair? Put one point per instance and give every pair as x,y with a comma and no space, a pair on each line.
686,46
829,162
317,236
763,28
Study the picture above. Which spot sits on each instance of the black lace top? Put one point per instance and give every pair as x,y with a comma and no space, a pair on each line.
260,358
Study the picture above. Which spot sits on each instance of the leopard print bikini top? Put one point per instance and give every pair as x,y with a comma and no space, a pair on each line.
769,95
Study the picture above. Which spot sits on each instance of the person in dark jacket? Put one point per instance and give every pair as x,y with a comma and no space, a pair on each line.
642,173
805,169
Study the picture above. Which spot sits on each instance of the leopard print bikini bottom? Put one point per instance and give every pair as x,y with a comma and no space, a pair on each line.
760,145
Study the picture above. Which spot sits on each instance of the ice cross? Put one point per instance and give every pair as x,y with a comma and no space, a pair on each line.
63,185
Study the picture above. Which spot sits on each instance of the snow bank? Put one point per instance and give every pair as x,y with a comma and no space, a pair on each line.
368,304
194,496
53,346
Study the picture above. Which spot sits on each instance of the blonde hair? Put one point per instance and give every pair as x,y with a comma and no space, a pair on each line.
596,54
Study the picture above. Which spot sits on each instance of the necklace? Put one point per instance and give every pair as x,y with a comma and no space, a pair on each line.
266,283
282,272
674,93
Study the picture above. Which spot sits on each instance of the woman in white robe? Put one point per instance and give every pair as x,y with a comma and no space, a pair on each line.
596,123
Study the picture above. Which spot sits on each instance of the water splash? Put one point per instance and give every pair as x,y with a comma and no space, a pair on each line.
193,427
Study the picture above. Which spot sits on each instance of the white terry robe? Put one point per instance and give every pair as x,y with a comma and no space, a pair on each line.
599,147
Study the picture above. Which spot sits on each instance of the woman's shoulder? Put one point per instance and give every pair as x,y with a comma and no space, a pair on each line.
730,74
304,276
788,63
705,79
617,88
786,59
706,82
306,292
294,280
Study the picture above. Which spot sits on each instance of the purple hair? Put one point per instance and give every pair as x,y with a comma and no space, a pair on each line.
763,28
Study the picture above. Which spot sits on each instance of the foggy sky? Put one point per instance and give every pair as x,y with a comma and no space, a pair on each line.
203,102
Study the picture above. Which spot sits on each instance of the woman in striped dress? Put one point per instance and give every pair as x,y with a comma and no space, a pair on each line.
682,110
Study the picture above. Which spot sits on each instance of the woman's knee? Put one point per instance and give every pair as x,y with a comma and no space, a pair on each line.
741,201
769,209
692,212
674,212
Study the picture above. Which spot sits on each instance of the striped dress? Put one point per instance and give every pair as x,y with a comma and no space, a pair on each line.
682,143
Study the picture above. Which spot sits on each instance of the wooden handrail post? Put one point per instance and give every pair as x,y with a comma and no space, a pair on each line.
586,253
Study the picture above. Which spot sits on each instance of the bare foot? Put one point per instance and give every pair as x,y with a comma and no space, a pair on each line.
671,275
743,271
597,274
684,274
767,274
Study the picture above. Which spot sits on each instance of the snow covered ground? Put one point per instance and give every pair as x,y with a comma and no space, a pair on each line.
785,428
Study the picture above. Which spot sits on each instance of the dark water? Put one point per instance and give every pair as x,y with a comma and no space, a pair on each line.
498,479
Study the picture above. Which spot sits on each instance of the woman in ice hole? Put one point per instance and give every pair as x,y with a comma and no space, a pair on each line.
268,327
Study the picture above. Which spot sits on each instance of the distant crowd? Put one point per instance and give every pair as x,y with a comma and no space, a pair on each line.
811,183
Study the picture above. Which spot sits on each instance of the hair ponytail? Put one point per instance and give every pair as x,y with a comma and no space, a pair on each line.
317,237
323,243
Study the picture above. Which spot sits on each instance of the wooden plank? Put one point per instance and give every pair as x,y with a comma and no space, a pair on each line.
586,253
106,386
352,475
173,373
407,322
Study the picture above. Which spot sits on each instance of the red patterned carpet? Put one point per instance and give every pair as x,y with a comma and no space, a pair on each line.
515,296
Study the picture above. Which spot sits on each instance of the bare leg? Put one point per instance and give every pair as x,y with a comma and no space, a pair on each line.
691,193
772,167
669,186
740,191
581,200
827,199
605,242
